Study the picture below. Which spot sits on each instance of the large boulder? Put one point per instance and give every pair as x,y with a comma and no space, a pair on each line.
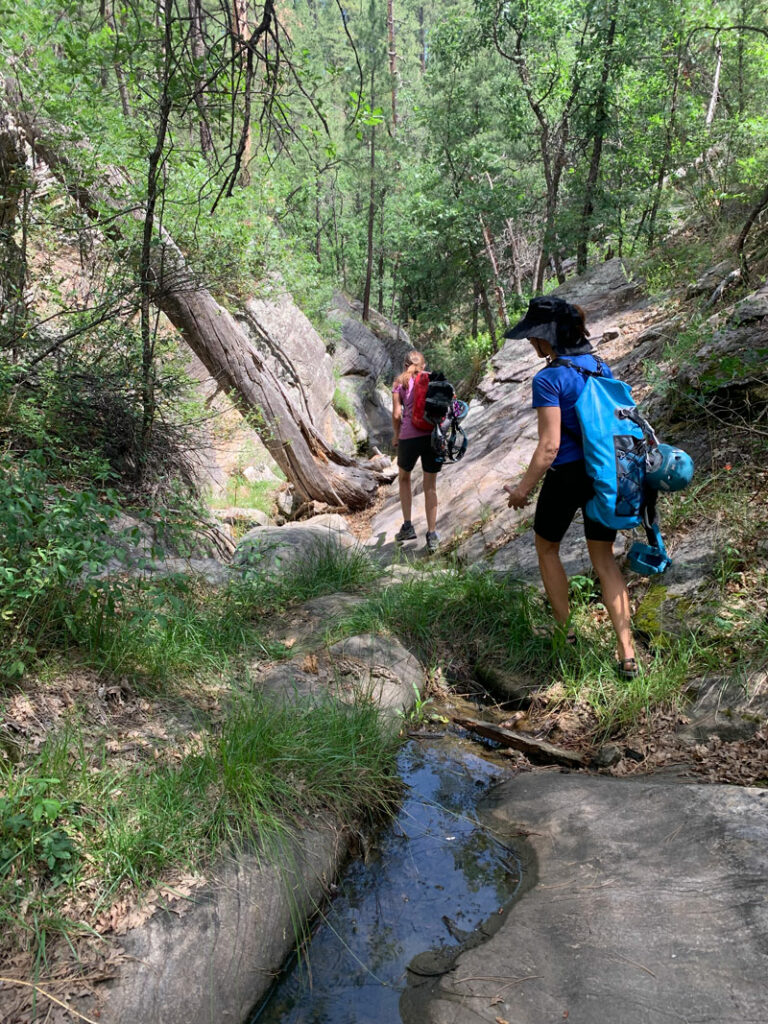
212,956
367,357
273,551
730,708
641,903
728,371
372,668
297,355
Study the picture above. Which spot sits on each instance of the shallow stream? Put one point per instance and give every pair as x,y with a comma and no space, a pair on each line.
434,876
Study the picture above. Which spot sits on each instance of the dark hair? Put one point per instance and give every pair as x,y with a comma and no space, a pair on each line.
580,324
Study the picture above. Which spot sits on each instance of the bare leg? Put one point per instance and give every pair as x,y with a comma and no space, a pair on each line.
615,595
430,500
404,483
553,577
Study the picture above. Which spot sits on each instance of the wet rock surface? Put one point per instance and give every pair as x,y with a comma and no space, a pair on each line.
649,906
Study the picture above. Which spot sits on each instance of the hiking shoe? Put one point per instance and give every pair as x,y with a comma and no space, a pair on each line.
406,532
433,542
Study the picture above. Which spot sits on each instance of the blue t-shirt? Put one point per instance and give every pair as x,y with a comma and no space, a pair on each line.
560,385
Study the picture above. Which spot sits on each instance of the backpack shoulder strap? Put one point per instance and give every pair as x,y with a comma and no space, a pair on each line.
574,434
582,369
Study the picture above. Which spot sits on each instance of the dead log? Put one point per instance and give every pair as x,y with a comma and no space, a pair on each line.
222,343
538,749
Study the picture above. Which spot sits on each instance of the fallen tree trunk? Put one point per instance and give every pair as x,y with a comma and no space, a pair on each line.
224,346
317,471
539,749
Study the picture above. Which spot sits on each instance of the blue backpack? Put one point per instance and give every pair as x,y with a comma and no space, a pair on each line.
615,439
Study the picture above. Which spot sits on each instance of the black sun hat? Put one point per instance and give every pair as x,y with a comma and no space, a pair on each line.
556,321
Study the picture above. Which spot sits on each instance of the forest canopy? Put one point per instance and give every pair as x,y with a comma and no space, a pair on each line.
430,158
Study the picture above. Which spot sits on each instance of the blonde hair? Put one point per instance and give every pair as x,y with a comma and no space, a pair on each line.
414,363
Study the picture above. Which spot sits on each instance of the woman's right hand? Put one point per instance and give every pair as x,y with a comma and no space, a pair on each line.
516,496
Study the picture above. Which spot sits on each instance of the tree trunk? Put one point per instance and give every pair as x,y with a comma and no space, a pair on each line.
371,220
497,286
666,155
755,212
553,146
715,86
198,51
482,294
226,349
392,60
241,31
601,116
517,277
13,258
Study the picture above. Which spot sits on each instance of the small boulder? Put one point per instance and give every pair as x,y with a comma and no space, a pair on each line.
731,709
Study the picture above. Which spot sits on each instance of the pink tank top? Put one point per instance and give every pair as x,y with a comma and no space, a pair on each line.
407,429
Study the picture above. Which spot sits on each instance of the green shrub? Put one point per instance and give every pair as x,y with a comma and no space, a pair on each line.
50,538
35,839
463,360
342,404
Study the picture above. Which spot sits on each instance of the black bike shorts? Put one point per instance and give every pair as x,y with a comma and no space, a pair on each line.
414,448
566,489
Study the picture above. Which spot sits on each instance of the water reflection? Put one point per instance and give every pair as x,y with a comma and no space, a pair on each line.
435,875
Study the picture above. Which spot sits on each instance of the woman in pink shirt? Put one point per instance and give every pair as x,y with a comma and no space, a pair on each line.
413,444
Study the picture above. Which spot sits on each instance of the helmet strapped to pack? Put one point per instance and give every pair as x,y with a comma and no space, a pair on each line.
449,442
668,468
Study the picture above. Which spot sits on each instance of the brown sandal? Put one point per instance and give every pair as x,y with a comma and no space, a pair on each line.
627,668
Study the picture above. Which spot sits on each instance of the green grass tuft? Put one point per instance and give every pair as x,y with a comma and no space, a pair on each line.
271,767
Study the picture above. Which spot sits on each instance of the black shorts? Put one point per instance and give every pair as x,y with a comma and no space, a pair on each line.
413,448
565,489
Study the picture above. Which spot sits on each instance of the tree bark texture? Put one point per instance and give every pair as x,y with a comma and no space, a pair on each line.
225,347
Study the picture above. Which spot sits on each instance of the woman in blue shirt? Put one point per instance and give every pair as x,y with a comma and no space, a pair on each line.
556,328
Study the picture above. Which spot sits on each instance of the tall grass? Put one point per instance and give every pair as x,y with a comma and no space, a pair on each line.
325,569
69,822
154,630
456,618
466,622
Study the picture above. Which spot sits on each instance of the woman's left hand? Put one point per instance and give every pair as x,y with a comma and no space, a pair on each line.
517,497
